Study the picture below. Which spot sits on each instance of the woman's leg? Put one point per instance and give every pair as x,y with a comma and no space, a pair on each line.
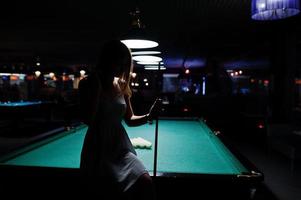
143,188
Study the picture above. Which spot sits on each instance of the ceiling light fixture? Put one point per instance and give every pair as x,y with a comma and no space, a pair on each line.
137,37
37,73
154,67
147,59
145,53
274,9
150,63
82,72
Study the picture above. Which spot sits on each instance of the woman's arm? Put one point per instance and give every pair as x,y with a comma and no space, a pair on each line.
130,118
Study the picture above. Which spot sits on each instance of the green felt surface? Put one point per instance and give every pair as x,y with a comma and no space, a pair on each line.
184,146
19,104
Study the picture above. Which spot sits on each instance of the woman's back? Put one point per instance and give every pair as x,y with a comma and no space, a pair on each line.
106,135
88,96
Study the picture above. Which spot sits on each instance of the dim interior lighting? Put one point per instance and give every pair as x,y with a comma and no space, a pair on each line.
137,37
22,76
274,9
154,67
298,81
145,53
37,73
82,72
252,80
260,125
171,75
147,58
185,109
139,43
51,74
133,74
204,86
5,74
64,77
148,63
14,77
71,76
261,6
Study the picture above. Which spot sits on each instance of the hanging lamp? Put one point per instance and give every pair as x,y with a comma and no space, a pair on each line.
274,9
137,37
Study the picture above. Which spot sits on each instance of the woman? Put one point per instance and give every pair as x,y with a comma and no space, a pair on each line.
105,101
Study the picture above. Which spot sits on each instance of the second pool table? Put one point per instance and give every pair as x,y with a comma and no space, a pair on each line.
17,111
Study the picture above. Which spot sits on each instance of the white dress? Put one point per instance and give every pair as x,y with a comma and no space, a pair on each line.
107,150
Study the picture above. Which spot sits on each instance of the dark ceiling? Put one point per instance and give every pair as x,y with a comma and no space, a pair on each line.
72,31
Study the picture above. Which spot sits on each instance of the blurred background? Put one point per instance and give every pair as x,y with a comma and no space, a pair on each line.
241,75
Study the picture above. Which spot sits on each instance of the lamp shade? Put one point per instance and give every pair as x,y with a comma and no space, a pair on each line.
149,63
51,74
274,9
82,72
147,58
137,37
139,43
37,73
145,53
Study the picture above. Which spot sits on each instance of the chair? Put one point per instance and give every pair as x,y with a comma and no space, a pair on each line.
283,138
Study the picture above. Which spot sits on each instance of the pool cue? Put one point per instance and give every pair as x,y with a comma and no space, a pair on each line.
156,131
156,146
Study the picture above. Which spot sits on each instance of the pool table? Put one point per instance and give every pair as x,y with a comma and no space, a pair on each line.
16,111
187,148
18,104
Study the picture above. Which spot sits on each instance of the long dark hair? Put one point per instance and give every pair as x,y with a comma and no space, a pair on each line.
115,60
